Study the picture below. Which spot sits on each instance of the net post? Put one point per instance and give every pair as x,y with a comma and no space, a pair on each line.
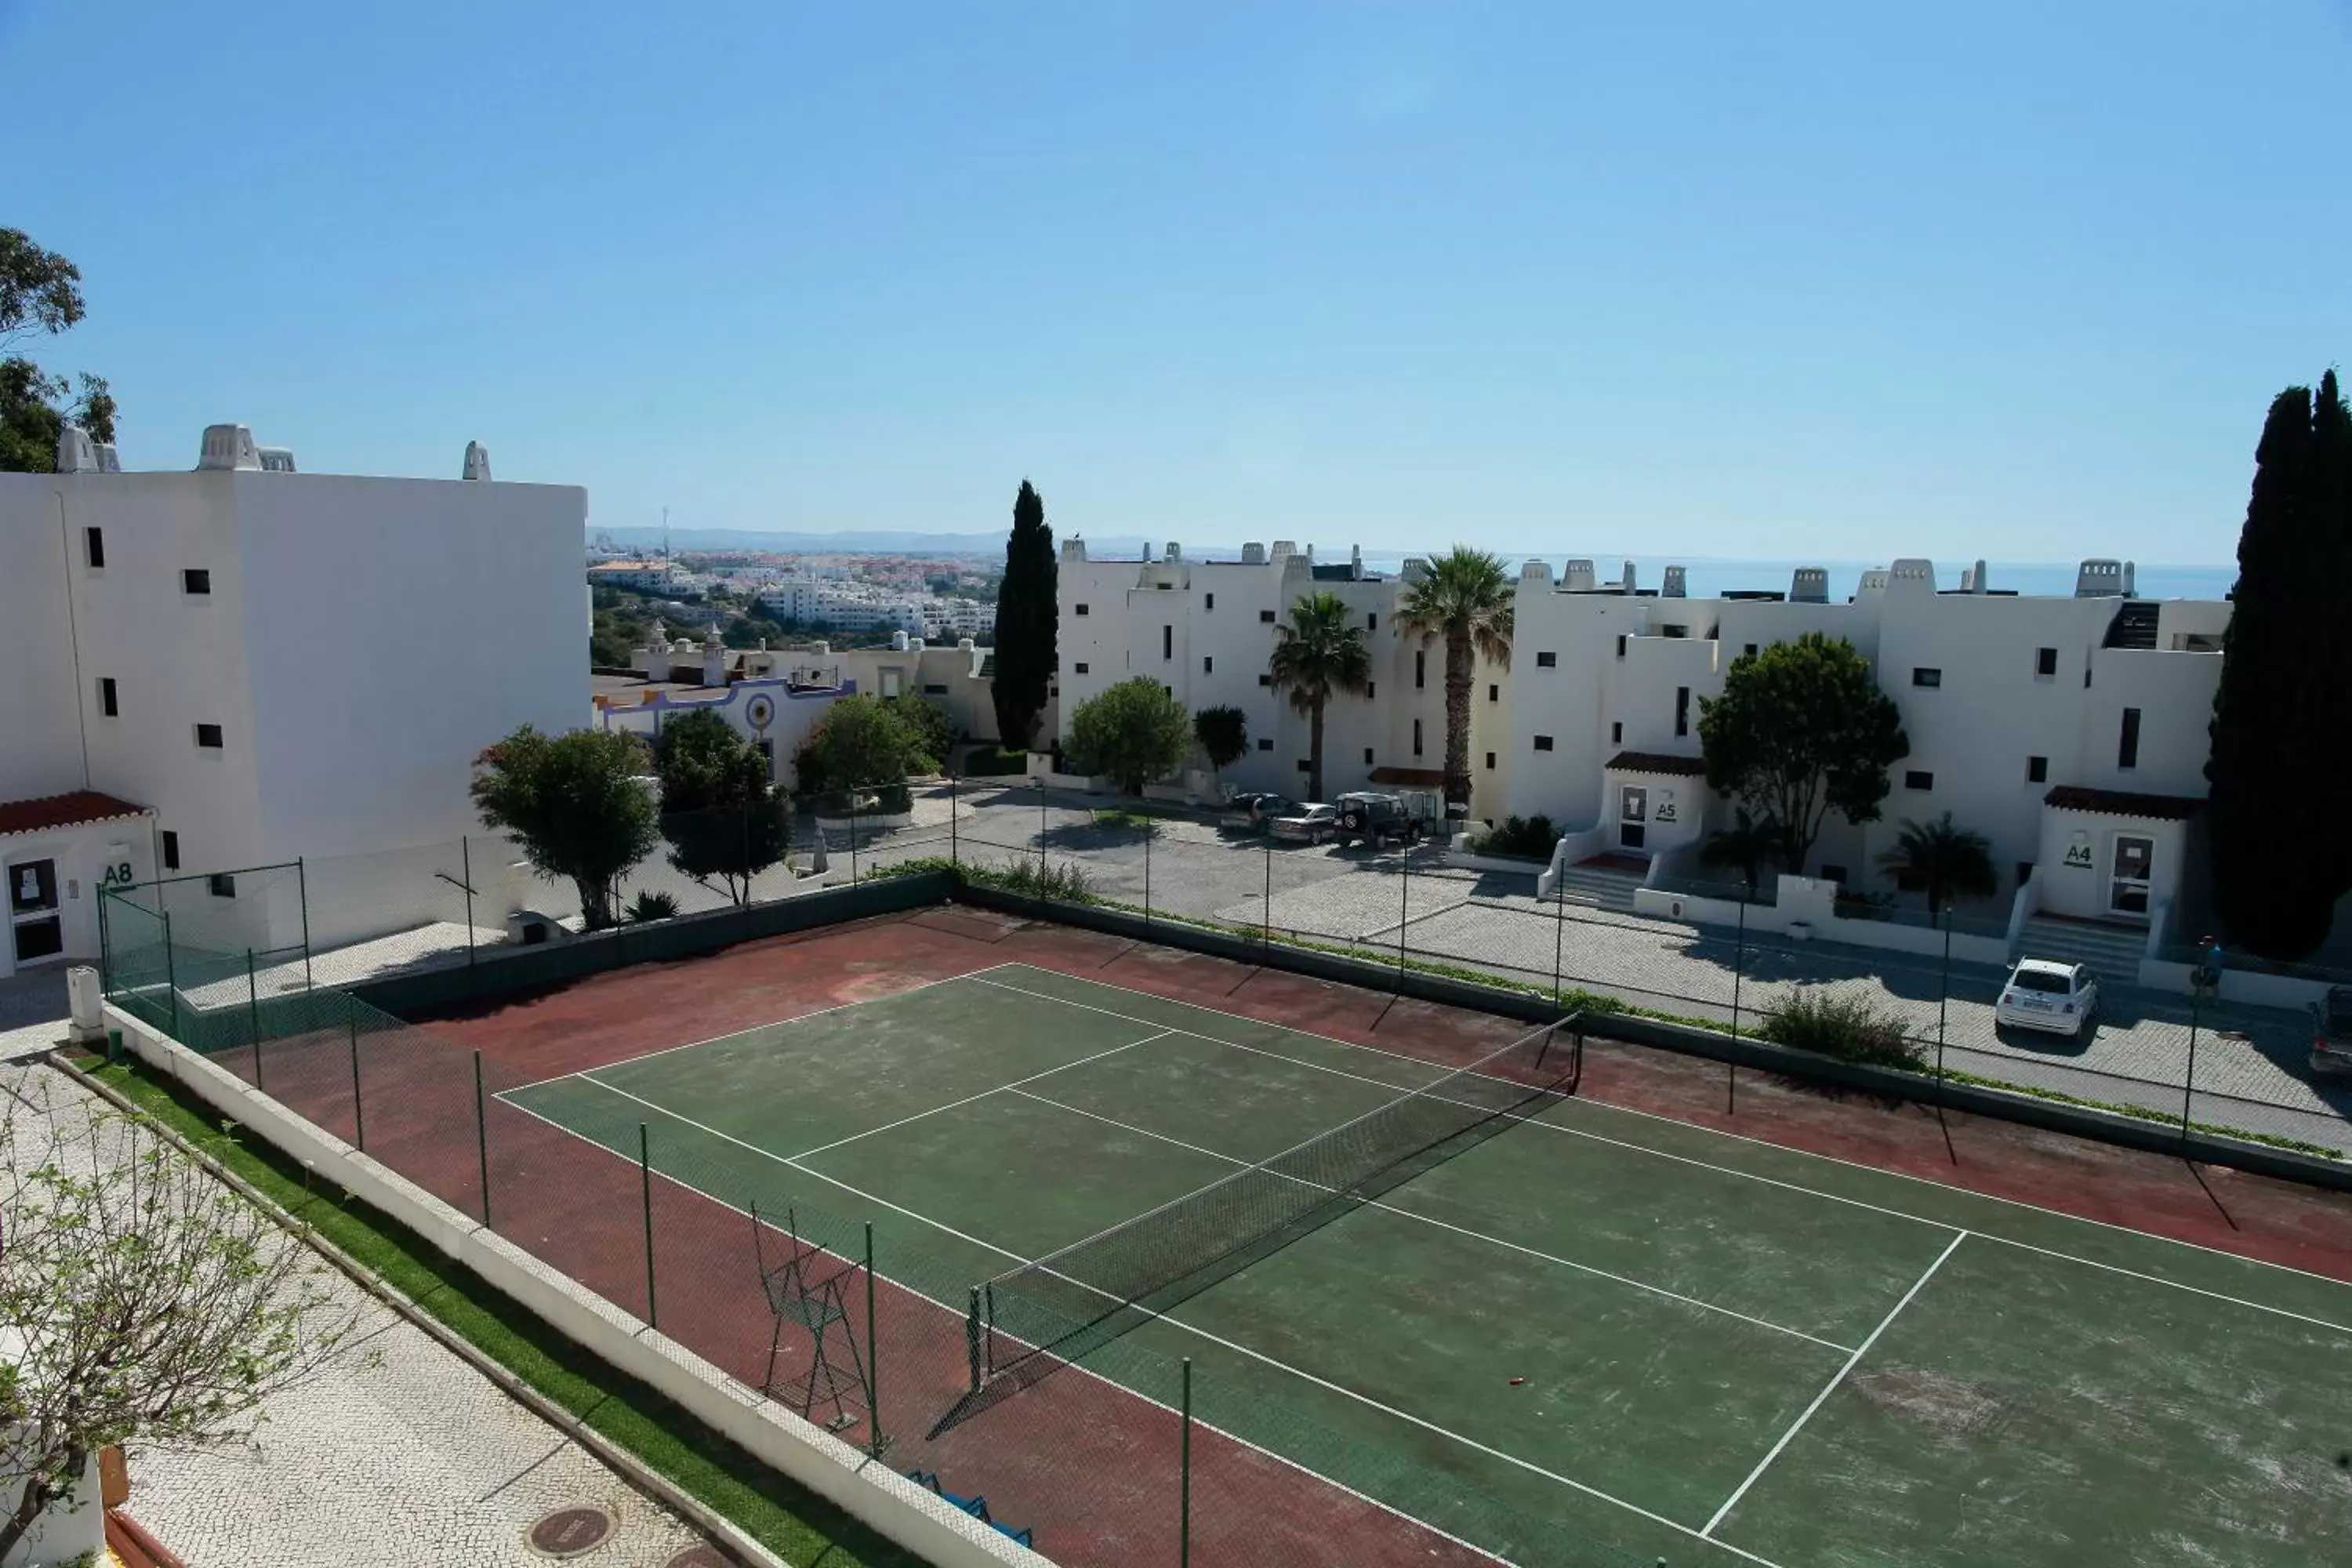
482,1136
1041,828
988,1339
2188,1083
645,1195
872,1354
1184,1473
1404,907
853,835
1559,939
359,1113
252,1013
1738,960
955,846
171,971
971,1337
1266,930
1147,836
302,893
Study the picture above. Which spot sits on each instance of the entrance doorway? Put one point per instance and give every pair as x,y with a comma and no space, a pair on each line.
35,925
1633,816
2127,878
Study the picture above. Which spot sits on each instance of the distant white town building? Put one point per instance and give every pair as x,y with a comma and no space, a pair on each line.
641,576
247,663
1205,630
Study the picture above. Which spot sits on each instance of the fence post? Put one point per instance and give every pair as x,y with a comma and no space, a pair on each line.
1265,931
645,1195
988,1328
482,1136
253,1013
1184,1486
302,892
853,837
1943,1007
1558,939
1041,827
955,846
466,869
2188,1087
873,1353
1149,834
358,1110
1404,907
171,972
971,1337
1738,960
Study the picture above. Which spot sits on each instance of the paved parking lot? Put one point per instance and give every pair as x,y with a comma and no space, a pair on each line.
2248,1068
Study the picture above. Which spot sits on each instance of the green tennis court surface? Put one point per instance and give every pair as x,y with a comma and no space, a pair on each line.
1728,1351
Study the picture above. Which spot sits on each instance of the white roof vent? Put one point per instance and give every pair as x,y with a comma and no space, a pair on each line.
75,453
276,459
477,462
1074,549
1675,581
1809,585
1632,580
2100,578
1912,575
1175,550
1252,554
1576,577
1284,549
229,447
110,461
1536,571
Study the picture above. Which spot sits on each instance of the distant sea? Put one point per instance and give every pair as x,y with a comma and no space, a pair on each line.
1706,579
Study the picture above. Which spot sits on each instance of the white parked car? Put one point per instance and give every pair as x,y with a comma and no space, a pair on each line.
2045,993
1309,824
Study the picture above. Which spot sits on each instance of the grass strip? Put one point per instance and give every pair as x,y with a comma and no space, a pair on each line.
779,1513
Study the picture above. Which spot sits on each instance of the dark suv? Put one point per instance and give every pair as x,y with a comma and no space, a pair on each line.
1251,811
1378,819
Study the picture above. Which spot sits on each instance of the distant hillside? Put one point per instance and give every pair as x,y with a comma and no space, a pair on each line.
876,542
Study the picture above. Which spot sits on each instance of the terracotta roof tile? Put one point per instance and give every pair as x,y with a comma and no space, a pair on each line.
2125,803
1657,763
62,811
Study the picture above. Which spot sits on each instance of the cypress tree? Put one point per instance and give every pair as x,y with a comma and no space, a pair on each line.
2282,730
1027,622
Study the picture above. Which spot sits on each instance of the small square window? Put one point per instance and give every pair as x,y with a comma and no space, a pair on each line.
1265,617
1371,690
223,885
1493,692
1265,743
1490,761
1922,676
1675,631
1208,664
1208,601
1547,661
1264,680
93,548
196,579
1621,645
1080,667
1368,756
1372,621
1918,779
1302,764
1617,733
171,851
2037,770
1543,742
1079,609
1749,651
2045,662
1165,587
106,697
208,736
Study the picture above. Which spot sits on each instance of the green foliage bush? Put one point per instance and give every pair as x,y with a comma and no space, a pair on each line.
1518,838
993,761
1843,1024
650,905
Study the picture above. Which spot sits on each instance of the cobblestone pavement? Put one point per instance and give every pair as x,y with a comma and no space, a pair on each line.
397,1454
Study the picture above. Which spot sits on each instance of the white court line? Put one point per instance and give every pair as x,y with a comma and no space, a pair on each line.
1831,1388
755,1028
1445,1224
1238,1349
957,1314
1013,1088
1963,1192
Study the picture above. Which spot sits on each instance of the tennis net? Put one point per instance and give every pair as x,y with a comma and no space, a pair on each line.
1092,1290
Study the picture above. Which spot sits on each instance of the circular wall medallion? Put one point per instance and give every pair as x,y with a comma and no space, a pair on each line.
760,710
569,1531
698,1557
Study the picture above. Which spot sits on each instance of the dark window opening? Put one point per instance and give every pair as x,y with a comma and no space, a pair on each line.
1168,642
1547,661
1368,756
935,691
1543,742
1417,737
1749,650
106,695
1617,733
1080,667
1922,676
1490,761
1420,670
223,885
1494,691
1371,690
197,580
1302,764
1373,622
171,851
1208,601
2045,661
2037,770
1833,873
208,735
1675,631
1265,680
1266,617
93,547
1208,664
1079,609
1918,779
1265,743
1682,710
2127,747
2024,870
1621,645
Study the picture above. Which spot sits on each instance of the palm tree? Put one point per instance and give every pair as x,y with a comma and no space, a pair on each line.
1466,598
1950,862
1319,654
1746,847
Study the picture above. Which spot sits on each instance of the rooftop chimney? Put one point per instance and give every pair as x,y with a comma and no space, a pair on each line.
1809,585
1576,577
1175,552
1674,588
477,462
1356,563
228,447
1252,554
75,453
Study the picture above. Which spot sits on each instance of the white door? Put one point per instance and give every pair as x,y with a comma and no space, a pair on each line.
2127,878
36,927
1633,816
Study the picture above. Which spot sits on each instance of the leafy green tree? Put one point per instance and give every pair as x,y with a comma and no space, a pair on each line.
1224,734
861,741
932,727
40,294
2282,731
1747,847
1466,599
1316,656
1802,730
721,814
1133,734
577,804
1027,623
1945,861
140,1300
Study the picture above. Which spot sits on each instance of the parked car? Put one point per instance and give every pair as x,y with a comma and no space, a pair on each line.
2045,994
1309,824
1378,819
2331,1031
1250,811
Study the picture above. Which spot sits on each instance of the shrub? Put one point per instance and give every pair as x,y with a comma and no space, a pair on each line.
991,762
649,905
1518,838
1843,1024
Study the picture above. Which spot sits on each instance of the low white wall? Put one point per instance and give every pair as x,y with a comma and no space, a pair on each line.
1461,860
913,1516
2248,985
1581,845
1811,902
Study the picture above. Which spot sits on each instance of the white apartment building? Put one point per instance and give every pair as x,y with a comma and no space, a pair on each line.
2070,732
945,620
641,576
1205,630
813,601
245,664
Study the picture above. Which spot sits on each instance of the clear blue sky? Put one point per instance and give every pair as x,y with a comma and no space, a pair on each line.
1837,280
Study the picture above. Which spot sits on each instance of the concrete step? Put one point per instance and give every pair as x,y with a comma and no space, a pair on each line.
1599,890
2113,951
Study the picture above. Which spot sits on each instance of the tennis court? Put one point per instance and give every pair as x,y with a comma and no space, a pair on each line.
1639,1338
